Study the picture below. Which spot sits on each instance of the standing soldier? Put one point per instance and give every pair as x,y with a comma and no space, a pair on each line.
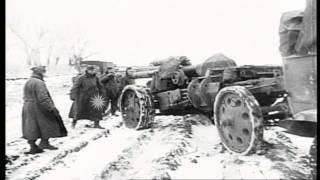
40,117
88,98
126,80
83,67
110,84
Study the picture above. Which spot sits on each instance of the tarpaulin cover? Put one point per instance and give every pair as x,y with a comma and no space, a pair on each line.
218,60
298,33
290,27
171,64
308,36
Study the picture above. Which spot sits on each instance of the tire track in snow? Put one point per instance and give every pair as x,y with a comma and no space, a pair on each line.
123,163
285,156
15,151
173,139
281,160
32,166
169,136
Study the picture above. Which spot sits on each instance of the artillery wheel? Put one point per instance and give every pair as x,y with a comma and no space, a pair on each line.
136,107
238,118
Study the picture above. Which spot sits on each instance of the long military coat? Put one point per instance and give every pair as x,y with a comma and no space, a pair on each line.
85,89
111,85
72,111
38,120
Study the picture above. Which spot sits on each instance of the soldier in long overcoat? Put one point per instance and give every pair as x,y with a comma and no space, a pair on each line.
83,68
88,98
40,117
111,86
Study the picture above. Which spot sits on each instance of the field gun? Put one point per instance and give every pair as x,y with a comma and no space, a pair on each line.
239,99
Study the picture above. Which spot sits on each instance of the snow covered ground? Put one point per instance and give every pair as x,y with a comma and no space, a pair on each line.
176,147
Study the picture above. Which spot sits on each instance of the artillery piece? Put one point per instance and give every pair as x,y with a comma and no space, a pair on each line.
241,100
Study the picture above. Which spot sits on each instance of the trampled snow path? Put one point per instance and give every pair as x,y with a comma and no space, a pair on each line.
34,166
177,147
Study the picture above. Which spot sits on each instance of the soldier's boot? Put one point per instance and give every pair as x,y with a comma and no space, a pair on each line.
114,108
73,124
34,149
114,114
97,125
44,144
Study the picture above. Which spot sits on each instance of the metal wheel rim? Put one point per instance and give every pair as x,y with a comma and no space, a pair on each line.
238,118
131,111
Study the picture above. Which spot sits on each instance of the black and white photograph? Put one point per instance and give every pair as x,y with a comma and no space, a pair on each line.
160,89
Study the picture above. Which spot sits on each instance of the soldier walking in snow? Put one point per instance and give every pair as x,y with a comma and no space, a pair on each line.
87,95
40,117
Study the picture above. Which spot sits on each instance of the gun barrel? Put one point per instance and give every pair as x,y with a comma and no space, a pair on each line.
190,71
142,74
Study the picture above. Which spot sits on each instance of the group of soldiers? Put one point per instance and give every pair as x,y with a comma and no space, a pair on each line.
91,93
89,84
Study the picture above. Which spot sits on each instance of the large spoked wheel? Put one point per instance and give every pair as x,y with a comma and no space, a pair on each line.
136,107
238,118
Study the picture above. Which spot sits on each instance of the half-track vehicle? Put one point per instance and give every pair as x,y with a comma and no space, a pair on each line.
240,99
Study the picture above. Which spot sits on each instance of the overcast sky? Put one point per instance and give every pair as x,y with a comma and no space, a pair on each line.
135,32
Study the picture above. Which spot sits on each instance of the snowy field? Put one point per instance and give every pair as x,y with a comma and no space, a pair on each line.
176,147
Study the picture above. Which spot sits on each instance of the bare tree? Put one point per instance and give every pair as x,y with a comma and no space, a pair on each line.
57,60
27,46
80,51
31,47
50,47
